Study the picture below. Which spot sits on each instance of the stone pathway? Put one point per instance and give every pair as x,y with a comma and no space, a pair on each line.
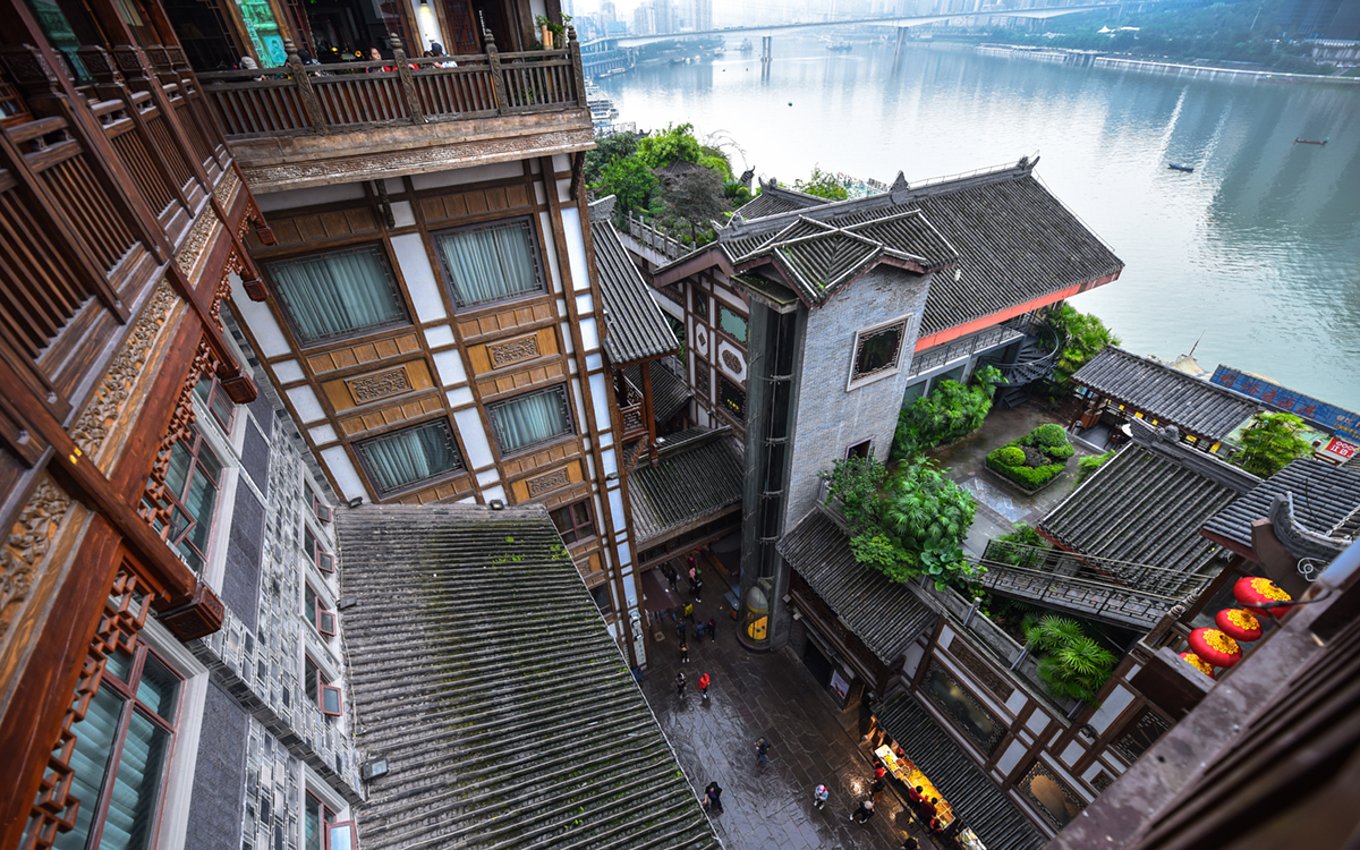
774,695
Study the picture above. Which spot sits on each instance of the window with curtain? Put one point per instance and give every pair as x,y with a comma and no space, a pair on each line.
732,323
574,522
530,419
121,752
191,482
487,264
409,456
338,293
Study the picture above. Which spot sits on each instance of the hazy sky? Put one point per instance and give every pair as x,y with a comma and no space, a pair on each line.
724,11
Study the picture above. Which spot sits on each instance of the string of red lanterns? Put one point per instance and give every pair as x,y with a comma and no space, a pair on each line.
1219,647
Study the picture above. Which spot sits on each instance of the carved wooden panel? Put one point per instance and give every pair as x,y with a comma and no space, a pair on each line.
455,207
395,414
542,458
538,486
368,388
502,353
124,615
26,546
981,671
156,507
360,354
451,490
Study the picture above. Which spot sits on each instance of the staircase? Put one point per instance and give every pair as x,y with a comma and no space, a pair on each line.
1033,362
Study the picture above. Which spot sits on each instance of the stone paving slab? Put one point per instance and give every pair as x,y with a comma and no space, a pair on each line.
774,695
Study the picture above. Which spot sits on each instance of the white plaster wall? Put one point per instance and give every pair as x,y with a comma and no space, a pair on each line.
419,276
291,198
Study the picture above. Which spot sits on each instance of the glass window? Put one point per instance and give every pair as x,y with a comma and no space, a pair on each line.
877,351
210,392
493,263
530,420
191,483
338,293
409,456
700,303
317,820
121,751
574,522
732,323
1056,801
733,398
962,707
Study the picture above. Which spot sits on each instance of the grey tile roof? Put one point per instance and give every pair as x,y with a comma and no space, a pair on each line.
635,327
975,798
776,199
1015,241
693,481
1146,505
885,615
670,392
1326,499
483,673
1191,404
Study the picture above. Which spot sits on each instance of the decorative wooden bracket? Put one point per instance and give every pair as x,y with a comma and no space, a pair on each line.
578,170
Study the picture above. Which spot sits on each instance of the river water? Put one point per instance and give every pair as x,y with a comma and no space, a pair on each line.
1256,254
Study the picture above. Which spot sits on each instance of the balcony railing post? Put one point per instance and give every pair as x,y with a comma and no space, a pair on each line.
578,70
493,61
298,72
408,84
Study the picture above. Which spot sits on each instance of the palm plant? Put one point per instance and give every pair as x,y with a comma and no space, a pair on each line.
1074,665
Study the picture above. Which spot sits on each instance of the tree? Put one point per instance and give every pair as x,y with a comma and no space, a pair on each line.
697,198
857,483
630,181
674,144
1270,442
823,184
950,412
1081,336
608,149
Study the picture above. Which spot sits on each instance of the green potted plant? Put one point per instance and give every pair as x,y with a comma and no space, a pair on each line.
550,32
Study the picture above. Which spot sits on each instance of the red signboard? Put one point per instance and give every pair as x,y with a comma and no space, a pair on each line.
1338,449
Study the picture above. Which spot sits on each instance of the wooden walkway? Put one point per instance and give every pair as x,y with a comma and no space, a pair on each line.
1078,595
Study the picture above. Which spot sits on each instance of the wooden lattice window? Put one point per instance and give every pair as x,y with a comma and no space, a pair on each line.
574,522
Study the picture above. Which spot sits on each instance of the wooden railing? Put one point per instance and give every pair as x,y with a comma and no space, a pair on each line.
345,96
96,191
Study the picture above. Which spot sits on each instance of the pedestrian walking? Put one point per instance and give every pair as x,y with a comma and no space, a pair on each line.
703,686
692,563
671,576
713,798
876,787
689,611
680,685
699,631
698,588
680,631
762,751
684,653
911,844
712,629
819,795
863,811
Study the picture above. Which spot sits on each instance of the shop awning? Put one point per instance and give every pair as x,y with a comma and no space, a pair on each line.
656,594
981,805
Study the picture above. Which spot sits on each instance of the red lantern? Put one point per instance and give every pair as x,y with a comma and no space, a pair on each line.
1198,663
1254,590
1238,623
1215,647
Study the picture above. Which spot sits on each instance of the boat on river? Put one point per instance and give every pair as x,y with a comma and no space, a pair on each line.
746,46
1176,166
1300,141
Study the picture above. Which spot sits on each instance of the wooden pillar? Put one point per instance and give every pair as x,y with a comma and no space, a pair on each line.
648,416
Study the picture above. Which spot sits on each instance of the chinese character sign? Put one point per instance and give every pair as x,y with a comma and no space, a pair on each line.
1334,419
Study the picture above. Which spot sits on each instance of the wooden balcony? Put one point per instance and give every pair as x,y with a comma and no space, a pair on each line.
305,125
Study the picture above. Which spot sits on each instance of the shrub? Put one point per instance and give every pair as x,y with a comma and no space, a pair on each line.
1090,464
1083,337
951,411
1072,664
1270,442
1049,435
1023,547
1010,456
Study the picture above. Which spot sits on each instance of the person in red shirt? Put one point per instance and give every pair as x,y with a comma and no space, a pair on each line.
703,686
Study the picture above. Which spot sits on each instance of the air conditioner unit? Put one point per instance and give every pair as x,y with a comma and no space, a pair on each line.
325,513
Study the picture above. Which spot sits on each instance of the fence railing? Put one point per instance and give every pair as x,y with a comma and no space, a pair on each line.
338,97
648,234
933,358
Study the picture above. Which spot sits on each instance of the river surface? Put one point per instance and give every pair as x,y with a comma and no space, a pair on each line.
1256,254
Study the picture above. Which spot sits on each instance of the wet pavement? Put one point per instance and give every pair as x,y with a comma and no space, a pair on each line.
774,695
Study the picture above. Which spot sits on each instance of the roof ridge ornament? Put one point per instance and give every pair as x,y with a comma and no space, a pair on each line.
899,189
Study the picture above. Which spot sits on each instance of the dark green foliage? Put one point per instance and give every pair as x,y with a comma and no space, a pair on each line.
1044,453
905,525
1023,547
1072,664
631,182
1271,442
1090,464
696,199
823,185
666,147
951,412
1082,336
607,149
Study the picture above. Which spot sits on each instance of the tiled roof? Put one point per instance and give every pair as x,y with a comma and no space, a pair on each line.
885,615
634,325
776,199
1326,499
670,392
1146,505
483,673
1191,404
694,480
1015,242
975,798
